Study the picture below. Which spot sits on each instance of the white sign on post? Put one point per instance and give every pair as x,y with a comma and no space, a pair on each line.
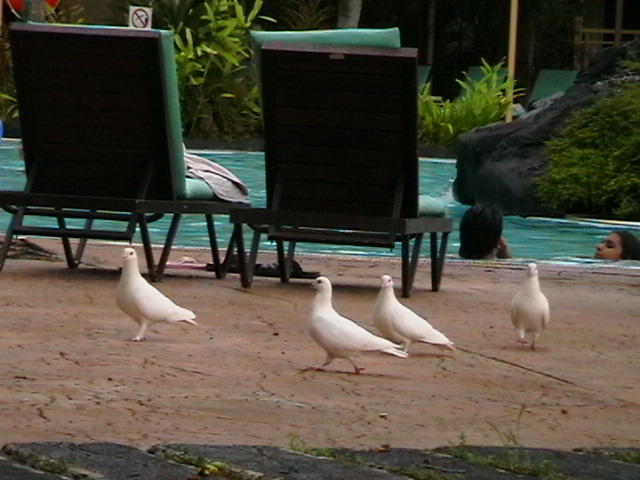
140,17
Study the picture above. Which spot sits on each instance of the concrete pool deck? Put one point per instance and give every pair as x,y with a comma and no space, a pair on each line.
69,374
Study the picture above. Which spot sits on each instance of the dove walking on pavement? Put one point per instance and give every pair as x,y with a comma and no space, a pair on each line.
339,336
400,324
142,301
530,308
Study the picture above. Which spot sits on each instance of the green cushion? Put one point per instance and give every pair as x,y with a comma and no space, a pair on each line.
196,189
431,206
372,37
174,123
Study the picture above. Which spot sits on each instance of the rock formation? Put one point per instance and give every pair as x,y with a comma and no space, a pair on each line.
498,163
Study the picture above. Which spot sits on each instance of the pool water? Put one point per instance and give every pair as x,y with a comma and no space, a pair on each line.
532,238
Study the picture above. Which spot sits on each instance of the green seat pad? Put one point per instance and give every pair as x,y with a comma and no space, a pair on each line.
197,189
431,206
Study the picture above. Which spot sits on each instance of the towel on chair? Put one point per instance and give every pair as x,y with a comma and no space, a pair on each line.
225,185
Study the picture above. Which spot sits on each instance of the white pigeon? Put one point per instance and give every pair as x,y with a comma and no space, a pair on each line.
530,308
402,325
142,301
339,336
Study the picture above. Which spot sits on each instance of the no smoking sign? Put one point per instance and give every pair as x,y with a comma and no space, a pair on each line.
140,17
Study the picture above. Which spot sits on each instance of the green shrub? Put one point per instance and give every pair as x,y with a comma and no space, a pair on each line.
483,102
595,162
308,15
217,97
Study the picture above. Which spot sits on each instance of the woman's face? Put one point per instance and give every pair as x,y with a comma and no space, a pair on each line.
610,248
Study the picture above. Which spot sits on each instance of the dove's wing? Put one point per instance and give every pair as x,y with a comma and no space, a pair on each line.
153,305
413,326
332,331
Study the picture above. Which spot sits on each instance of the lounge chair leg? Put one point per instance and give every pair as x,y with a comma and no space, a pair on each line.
213,245
66,244
285,261
228,256
410,263
82,243
168,244
246,265
437,259
146,244
6,244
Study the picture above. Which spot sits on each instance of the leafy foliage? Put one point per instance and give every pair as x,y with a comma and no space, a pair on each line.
217,97
308,15
8,102
483,101
595,162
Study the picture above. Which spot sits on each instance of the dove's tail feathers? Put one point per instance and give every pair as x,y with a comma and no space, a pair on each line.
437,338
182,315
397,351
448,346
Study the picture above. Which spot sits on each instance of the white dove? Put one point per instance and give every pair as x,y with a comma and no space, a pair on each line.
339,336
142,301
530,308
400,324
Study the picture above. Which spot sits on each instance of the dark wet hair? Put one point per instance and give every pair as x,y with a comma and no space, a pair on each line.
480,231
630,245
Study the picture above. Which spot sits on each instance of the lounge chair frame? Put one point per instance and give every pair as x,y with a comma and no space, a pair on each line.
341,166
102,141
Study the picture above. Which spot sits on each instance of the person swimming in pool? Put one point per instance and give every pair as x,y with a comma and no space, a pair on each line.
619,245
481,234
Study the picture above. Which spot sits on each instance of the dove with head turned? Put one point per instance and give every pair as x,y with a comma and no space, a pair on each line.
530,308
142,301
339,336
400,324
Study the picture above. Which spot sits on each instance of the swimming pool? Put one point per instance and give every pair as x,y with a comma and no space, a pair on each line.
533,238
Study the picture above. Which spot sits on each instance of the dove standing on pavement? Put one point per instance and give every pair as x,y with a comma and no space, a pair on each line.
339,336
400,324
530,308
142,301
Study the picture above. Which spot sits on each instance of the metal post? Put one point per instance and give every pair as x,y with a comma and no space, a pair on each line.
511,58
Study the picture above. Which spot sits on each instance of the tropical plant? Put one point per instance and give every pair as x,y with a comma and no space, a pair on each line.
594,163
8,103
308,15
217,97
482,102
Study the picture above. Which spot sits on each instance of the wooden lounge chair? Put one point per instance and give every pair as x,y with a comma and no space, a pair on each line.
102,141
340,125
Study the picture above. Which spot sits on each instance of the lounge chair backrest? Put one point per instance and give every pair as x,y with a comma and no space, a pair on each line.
551,82
340,129
367,37
91,122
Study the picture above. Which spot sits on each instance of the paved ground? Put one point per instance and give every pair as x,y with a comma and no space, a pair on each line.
110,461
238,382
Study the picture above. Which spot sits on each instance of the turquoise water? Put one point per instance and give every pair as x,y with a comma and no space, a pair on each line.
539,239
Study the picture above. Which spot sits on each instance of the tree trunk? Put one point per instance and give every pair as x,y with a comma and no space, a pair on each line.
349,13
